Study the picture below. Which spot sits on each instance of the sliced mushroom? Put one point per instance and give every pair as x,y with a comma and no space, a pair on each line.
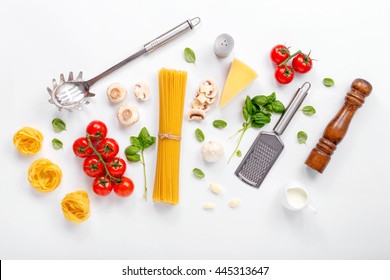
128,115
116,93
211,88
196,115
142,91
201,106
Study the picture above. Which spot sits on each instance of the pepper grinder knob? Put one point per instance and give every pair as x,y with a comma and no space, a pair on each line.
335,131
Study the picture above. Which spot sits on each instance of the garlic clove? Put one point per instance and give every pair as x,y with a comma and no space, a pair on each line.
233,203
208,206
128,115
116,92
216,188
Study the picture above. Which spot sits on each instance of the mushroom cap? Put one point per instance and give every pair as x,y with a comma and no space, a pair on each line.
116,92
142,91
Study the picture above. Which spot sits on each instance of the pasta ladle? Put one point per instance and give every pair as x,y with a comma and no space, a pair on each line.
73,93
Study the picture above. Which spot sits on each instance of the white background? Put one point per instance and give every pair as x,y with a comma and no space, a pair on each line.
349,39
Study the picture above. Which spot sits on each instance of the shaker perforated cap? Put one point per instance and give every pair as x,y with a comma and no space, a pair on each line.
223,45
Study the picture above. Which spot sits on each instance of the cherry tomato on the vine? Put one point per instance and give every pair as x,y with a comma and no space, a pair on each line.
93,167
124,188
116,167
284,74
102,185
279,53
81,148
108,148
97,130
302,63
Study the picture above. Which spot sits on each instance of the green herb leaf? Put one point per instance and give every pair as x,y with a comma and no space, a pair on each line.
271,98
189,55
308,110
259,100
328,82
132,150
58,125
239,153
248,105
261,118
302,137
145,139
219,124
199,135
136,142
278,107
245,114
133,158
198,173
57,144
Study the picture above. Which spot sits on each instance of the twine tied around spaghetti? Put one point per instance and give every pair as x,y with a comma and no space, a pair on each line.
169,135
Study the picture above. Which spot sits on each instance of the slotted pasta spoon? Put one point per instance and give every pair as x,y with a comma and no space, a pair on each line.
73,93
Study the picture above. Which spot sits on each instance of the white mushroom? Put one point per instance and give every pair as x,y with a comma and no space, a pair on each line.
211,89
142,91
116,92
196,115
212,151
128,114
201,106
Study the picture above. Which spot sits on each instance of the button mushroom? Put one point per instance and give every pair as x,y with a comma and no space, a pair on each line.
128,115
116,92
196,115
142,91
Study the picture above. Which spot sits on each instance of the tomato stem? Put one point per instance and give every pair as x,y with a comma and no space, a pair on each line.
112,178
289,57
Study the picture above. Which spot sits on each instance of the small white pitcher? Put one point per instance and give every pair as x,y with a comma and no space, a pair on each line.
296,198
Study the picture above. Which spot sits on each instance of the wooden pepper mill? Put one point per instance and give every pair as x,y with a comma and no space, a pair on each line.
320,156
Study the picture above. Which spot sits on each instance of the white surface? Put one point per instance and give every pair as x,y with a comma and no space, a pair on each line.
349,39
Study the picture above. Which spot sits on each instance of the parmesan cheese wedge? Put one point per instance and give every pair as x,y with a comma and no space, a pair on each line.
239,77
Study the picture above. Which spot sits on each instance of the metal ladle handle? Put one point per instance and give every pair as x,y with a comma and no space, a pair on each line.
149,47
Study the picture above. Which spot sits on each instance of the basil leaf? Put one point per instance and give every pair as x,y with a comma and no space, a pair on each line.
199,135
271,98
302,137
308,110
132,150
245,114
248,105
261,118
143,135
239,153
277,107
57,144
136,142
133,158
259,100
189,55
198,173
58,125
328,82
149,142
219,124
257,125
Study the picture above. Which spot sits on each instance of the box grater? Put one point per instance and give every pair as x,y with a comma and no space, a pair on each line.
267,147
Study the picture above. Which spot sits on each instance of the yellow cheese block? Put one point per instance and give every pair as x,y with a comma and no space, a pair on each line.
239,77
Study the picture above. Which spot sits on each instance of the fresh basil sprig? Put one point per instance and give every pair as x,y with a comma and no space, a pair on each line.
58,125
139,144
257,112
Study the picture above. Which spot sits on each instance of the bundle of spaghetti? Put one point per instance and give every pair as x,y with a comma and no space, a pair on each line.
28,140
172,87
75,206
44,175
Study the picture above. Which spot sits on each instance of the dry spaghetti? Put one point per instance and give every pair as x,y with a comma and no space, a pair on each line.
172,87
44,176
75,206
28,140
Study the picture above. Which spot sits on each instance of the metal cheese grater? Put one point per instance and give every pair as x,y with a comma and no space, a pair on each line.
267,147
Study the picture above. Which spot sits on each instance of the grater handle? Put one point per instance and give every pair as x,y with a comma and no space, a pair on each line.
295,103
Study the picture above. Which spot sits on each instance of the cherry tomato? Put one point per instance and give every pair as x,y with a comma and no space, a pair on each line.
116,167
108,148
81,148
284,74
93,167
279,53
97,130
302,63
124,188
102,185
